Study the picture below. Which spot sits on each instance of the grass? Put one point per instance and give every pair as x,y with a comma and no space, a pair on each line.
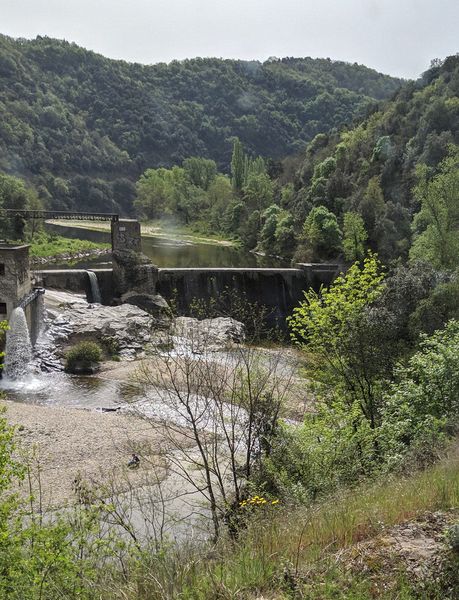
47,246
289,554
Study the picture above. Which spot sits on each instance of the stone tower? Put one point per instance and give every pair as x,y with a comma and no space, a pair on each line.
15,281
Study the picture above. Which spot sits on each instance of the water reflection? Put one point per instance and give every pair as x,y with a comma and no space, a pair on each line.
171,253
61,389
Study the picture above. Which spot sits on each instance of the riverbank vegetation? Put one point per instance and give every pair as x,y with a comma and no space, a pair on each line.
299,510
45,245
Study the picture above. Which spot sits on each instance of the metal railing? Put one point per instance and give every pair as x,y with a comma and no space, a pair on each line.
59,215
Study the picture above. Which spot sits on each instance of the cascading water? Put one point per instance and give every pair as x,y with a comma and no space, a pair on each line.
95,290
18,350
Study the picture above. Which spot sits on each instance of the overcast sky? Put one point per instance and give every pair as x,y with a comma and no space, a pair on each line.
399,37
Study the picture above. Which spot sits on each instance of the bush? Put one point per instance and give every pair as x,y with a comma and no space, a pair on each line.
83,356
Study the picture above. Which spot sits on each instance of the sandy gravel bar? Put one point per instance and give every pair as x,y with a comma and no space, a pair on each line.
69,441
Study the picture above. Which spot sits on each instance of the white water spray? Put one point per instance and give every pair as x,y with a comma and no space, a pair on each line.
18,350
95,290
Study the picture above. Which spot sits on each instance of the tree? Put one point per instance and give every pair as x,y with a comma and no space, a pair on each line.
321,234
354,237
372,208
237,166
221,417
162,192
285,235
201,171
436,225
423,400
344,340
268,232
258,191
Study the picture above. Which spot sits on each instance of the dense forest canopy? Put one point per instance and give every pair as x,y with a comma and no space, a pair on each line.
82,127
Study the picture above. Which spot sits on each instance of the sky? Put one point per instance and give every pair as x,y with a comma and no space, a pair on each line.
398,37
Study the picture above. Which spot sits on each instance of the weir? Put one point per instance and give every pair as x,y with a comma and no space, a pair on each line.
279,290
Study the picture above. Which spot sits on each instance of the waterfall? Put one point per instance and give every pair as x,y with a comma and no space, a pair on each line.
95,290
18,351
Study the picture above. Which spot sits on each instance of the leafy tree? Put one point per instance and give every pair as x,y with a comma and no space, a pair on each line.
424,398
258,191
336,328
238,166
201,171
285,235
437,223
354,237
268,232
372,209
321,234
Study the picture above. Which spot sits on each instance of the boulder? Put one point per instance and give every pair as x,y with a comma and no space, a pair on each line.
207,335
126,327
153,304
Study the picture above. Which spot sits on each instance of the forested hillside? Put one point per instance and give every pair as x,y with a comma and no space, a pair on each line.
388,184
82,128
363,186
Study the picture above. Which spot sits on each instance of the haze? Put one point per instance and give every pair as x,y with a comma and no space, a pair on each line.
399,37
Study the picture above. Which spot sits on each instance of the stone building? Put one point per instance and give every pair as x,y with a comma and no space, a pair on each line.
15,283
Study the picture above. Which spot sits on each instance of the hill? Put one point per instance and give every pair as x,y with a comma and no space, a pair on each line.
380,169
82,127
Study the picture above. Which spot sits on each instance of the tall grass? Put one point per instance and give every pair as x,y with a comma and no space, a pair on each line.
285,543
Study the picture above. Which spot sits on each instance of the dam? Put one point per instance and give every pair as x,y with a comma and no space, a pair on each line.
279,290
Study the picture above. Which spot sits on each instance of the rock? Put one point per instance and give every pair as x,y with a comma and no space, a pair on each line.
153,304
210,335
126,327
83,368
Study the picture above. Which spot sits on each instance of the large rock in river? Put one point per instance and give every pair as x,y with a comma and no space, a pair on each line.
208,335
126,327
153,304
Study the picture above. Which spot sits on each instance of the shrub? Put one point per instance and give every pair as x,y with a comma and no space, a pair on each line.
83,355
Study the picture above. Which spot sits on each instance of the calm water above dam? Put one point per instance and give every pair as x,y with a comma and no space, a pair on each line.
170,253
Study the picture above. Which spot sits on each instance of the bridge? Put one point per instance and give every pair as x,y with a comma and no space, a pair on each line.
60,215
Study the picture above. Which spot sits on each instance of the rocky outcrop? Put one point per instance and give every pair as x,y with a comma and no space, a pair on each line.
153,304
208,335
127,328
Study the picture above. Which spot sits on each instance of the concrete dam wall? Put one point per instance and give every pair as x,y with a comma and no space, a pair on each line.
280,290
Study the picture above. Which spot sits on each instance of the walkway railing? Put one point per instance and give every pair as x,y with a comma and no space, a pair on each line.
59,215
30,297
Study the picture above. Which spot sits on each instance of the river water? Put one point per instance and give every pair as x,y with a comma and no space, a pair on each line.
169,253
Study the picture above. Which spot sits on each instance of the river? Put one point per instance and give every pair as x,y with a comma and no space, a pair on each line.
169,253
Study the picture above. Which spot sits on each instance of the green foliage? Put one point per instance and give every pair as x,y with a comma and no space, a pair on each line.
436,224
84,127
344,342
83,354
321,235
237,166
3,329
46,245
354,237
371,168
424,398
434,310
